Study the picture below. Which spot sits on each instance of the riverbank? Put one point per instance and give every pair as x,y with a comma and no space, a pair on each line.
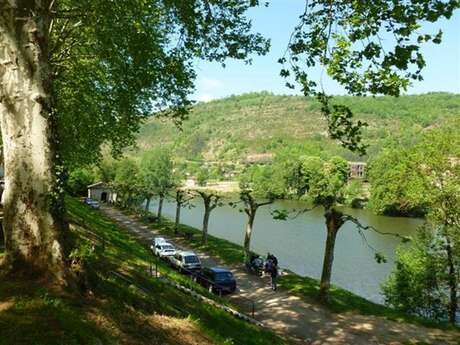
307,288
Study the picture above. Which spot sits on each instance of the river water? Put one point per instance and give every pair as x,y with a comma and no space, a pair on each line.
299,243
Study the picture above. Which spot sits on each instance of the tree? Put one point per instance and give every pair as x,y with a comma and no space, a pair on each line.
78,181
417,284
370,47
127,183
76,74
260,186
394,184
158,175
211,200
324,183
182,198
435,162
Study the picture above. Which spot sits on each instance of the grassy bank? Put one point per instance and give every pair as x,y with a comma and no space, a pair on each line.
308,288
112,311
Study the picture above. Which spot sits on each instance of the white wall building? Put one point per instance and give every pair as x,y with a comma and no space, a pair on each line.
100,191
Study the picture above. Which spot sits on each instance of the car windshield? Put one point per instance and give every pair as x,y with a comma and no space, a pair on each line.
191,259
220,276
167,247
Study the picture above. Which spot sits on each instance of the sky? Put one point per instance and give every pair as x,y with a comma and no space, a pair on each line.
277,21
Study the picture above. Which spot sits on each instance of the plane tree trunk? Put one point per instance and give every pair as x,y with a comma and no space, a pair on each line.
177,220
251,207
160,207
248,233
33,227
210,202
334,220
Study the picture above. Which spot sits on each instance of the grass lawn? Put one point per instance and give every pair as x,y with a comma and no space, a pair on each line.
113,311
341,300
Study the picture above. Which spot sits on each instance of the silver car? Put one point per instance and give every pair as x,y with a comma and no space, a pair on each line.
185,261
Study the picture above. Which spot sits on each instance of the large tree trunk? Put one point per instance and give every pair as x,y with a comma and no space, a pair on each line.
452,281
32,224
248,233
160,207
147,204
177,220
334,220
207,212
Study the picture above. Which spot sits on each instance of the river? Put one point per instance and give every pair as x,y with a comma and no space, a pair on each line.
299,243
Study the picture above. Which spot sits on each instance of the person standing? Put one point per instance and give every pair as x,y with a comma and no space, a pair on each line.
273,276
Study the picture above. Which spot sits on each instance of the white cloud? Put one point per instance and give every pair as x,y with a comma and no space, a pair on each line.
208,89
205,97
209,84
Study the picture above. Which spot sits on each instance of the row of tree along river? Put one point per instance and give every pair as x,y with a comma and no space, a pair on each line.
299,242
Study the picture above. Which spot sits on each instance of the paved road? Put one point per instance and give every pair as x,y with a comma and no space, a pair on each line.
298,321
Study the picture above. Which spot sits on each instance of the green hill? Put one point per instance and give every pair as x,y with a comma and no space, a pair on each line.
232,128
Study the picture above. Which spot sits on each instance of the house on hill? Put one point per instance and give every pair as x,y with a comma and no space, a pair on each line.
100,191
260,158
357,170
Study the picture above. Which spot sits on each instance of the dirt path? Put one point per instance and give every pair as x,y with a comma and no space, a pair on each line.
306,323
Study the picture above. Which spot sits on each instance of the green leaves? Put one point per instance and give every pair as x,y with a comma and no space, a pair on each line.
115,62
158,175
361,43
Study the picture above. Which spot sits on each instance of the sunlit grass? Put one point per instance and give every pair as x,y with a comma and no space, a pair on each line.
112,311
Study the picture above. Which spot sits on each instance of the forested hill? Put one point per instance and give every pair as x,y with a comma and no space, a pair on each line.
238,126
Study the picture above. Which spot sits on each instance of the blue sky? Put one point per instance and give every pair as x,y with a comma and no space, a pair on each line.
277,21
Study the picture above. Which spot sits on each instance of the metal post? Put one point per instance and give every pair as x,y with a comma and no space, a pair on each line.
253,308
150,269
156,269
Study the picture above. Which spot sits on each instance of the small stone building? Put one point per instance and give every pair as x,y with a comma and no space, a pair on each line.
100,191
357,170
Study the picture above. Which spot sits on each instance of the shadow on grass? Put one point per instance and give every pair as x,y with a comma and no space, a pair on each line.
128,255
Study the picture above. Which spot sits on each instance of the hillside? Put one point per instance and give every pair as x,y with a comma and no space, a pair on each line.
232,128
115,310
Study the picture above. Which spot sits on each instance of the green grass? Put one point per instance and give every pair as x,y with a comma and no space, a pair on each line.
308,288
114,312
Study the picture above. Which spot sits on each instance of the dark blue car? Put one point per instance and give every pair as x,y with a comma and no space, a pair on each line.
217,279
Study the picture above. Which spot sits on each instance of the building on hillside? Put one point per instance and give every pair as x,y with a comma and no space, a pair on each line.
357,170
259,158
100,191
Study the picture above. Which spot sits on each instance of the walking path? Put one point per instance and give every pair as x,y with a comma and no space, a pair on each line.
302,322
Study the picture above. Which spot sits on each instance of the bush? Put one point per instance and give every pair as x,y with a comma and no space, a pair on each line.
78,181
417,284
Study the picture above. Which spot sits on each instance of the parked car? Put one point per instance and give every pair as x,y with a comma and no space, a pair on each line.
185,261
163,249
92,203
158,240
217,279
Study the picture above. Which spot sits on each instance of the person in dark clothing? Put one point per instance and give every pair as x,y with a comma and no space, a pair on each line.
273,276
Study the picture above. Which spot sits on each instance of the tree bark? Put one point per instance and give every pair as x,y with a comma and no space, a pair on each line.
177,221
207,212
160,207
452,281
248,233
33,225
147,204
334,221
